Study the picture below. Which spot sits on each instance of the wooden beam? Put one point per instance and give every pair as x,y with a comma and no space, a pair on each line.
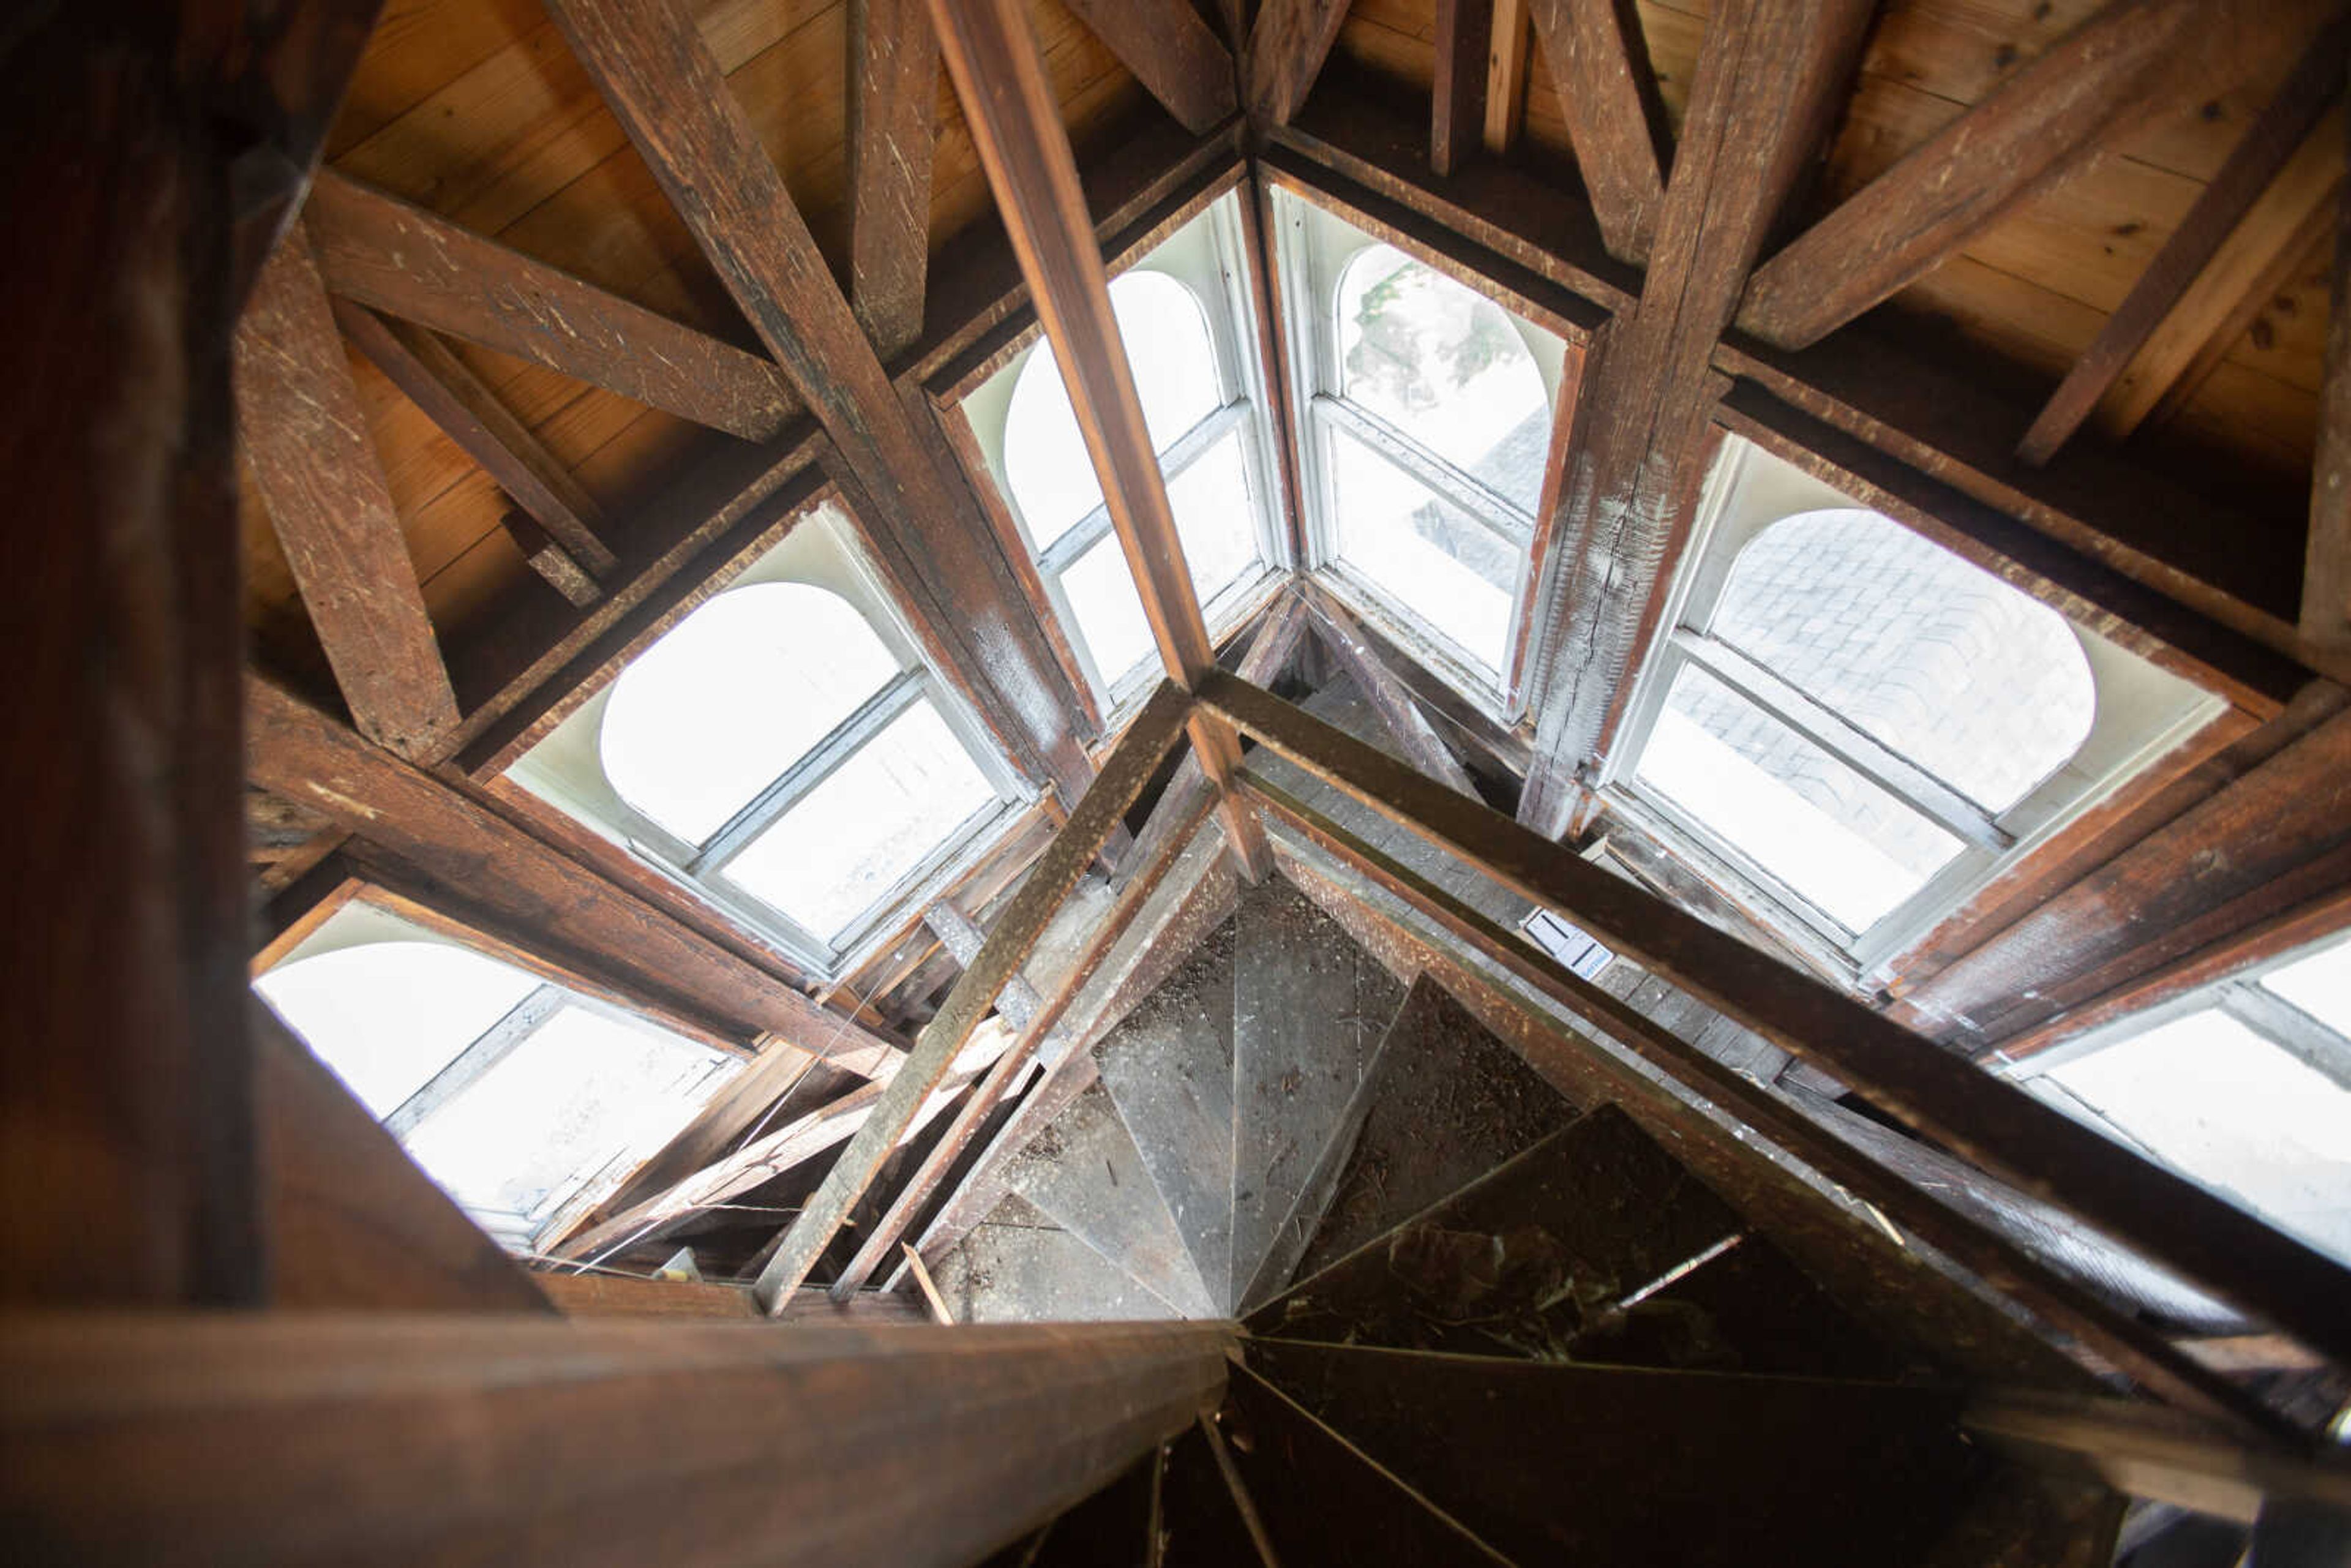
2259,156
1465,31
1129,767
2026,134
469,413
555,565
399,259
1509,47
659,78
138,1439
1176,57
893,99
603,1295
1286,45
1769,78
1600,67
308,446
2007,1132
448,836
1390,698
2326,571
2154,1454
964,940
1018,130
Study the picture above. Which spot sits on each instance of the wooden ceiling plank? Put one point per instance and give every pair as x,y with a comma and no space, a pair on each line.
314,463
893,97
1286,45
2034,128
1390,697
1508,49
2257,161
1600,68
468,412
1465,34
1008,105
1769,77
399,259
2326,573
1176,57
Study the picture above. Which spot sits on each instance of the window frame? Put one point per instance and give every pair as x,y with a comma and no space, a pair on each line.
1207,253
1315,243
1747,490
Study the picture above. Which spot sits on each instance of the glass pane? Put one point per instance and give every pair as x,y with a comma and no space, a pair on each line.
2320,985
736,693
1442,363
1045,462
1832,836
581,1093
1211,500
1108,611
1428,555
1980,684
387,1016
874,819
2234,1111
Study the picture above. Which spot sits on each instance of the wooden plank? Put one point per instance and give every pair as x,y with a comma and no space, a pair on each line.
2037,125
893,97
2259,156
1286,45
307,443
353,1223
1600,67
1346,638
406,262
471,1438
554,564
2326,571
1465,31
964,940
2007,1132
437,382
128,1094
1509,42
1769,78
1008,103
2154,1454
1174,54
540,897
605,1295
1124,774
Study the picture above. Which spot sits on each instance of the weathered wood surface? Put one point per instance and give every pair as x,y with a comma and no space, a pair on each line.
462,1439
469,412
1457,115
308,446
406,262
603,1295
893,99
1607,94
557,565
1770,76
1286,45
2209,1242
2326,571
1175,55
1344,636
1124,774
1508,48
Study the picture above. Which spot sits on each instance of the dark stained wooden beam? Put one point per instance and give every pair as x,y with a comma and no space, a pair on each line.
1176,57
536,897
1510,46
893,99
1464,32
495,1440
1344,637
2027,133
662,82
2208,1240
308,446
2259,155
603,1295
1769,77
469,413
1600,65
399,259
1018,130
2326,571
554,564
1124,774
1286,45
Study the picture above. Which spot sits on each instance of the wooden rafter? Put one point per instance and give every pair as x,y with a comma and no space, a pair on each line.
1176,57
893,96
1286,45
1465,33
406,262
2327,572
1600,66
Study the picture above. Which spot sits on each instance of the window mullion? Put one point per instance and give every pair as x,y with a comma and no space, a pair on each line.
811,771
494,1045
2289,1029
1832,733
1471,495
1082,535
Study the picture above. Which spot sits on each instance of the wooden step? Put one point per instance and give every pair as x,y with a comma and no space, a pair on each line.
1169,1068
1084,1173
1309,1009
1017,1266
1560,1463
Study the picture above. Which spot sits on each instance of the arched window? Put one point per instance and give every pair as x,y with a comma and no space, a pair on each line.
1866,722
1182,317
523,1099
